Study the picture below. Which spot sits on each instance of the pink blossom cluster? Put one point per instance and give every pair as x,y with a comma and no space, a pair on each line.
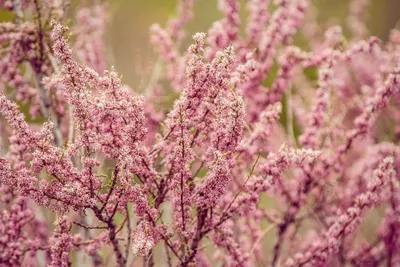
272,153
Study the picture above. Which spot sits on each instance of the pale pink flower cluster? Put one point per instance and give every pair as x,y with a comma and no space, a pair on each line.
272,153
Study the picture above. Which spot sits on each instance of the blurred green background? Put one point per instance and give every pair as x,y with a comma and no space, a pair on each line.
128,31
127,38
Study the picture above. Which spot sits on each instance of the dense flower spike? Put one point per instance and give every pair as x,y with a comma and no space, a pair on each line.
61,243
271,154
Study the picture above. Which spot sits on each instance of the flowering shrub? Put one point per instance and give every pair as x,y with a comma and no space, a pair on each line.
272,154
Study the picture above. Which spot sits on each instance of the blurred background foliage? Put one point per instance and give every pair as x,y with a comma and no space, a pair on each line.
127,37
128,33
